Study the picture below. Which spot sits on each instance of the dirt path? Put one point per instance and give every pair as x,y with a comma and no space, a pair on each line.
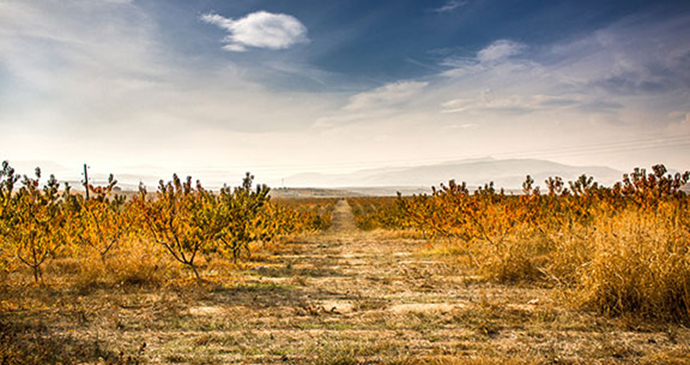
349,297
343,220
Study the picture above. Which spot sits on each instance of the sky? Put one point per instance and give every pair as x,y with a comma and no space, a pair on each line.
215,88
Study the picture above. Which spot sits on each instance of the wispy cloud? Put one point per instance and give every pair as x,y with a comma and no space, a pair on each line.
500,54
377,106
488,102
260,30
499,50
386,96
450,6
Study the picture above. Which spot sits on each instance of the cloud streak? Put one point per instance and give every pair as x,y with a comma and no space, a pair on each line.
386,96
500,50
259,30
450,6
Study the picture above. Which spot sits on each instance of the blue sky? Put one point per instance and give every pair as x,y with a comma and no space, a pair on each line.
278,87
371,42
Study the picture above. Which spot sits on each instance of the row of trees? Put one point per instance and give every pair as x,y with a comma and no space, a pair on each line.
454,211
41,221
490,215
620,249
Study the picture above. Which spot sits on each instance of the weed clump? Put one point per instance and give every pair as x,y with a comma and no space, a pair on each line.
640,265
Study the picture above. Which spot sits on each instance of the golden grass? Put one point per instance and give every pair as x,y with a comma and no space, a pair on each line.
640,264
636,263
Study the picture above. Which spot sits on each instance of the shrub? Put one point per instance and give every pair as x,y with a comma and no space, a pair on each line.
640,265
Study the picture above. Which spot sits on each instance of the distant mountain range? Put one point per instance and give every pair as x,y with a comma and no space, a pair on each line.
509,174
505,173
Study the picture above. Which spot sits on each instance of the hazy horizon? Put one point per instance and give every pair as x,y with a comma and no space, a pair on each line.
505,173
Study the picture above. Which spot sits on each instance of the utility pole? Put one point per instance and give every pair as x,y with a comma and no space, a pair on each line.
86,180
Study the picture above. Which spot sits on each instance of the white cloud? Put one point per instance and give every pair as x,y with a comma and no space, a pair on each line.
450,6
386,96
260,29
500,50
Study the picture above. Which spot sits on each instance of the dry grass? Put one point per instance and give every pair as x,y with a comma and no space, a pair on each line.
640,265
393,304
139,265
635,263
516,259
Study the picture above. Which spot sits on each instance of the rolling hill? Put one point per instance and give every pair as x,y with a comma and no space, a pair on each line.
509,174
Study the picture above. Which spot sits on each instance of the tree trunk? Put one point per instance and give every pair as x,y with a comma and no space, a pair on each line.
37,273
196,272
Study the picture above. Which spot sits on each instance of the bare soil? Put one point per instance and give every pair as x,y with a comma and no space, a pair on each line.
340,297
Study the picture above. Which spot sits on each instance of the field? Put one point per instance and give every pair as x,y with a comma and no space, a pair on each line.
451,278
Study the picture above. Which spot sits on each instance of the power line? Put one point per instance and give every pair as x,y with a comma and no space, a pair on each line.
610,147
